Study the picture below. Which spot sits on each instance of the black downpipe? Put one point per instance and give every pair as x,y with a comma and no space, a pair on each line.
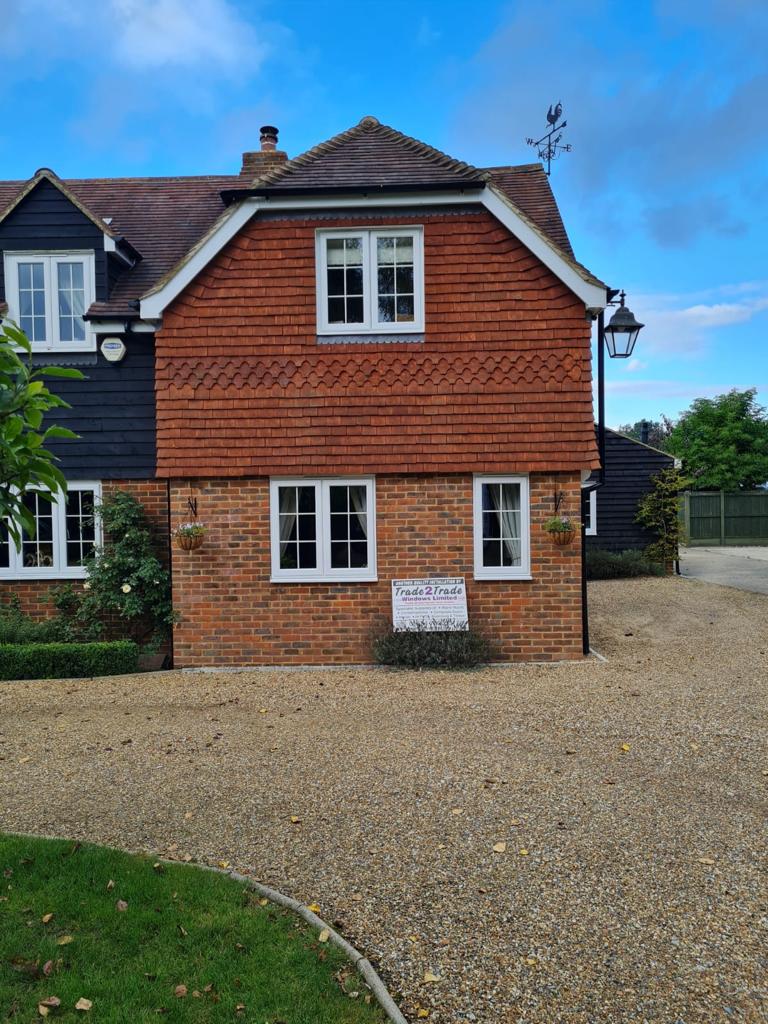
170,559
585,492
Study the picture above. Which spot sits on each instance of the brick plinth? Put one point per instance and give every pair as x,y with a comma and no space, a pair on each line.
231,614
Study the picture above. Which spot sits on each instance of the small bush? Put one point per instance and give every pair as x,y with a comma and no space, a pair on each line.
67,661
619,565
18,628
410,648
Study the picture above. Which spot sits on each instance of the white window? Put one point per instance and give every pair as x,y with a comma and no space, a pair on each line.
65,535
323,529
590,514
370,281
502,528
47,297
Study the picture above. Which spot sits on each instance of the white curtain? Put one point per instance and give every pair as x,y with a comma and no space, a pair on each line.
357,501
510,524
288,499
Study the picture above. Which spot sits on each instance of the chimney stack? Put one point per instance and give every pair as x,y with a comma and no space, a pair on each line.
256,164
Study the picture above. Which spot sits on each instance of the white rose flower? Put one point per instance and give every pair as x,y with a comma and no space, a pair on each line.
87,585
126,588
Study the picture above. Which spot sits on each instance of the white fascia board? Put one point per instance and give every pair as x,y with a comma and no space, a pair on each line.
153,304
122,327
593,296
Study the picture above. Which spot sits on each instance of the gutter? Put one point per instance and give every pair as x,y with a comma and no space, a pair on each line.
232,195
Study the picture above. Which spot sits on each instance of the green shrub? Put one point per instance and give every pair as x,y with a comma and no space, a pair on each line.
411,648
619,565
18,628
67,661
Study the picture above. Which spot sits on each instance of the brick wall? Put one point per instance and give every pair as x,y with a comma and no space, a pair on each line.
35,595
230,612
502,379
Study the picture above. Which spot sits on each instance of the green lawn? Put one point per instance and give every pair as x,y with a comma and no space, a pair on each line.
238,959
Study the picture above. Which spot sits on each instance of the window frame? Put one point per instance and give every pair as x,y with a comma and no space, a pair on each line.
591,530
59,570
502,572
323,573
50,259
369,236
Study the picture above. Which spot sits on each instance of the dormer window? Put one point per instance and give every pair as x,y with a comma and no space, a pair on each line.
47,294
370,281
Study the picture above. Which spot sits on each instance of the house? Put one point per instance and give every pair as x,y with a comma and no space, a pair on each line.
370,362
610,519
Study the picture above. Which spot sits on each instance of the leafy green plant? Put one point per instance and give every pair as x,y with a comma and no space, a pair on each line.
617,565
195,529
723,442
25,463
67,660
18,628
559,524
659,511
444,648
127,588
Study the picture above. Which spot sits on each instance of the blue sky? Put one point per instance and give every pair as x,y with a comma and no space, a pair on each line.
664,193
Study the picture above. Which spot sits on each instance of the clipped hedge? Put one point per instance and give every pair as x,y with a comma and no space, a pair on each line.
410,648
68,661
620,565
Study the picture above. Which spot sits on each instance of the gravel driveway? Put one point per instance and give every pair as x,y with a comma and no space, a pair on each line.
631,796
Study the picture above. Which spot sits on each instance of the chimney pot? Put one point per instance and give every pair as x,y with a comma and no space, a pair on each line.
268,138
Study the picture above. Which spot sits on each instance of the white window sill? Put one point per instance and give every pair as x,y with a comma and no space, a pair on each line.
44,574
507,577
48,350
323,579
354,329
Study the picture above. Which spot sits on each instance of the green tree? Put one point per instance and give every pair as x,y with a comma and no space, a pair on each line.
723,442
658,431
659,511
24,400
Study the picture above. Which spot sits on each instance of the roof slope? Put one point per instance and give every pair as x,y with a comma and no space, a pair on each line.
163,218
370,154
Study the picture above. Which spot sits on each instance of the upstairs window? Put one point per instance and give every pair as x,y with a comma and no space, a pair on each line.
323,529
370,281
47,297
65,535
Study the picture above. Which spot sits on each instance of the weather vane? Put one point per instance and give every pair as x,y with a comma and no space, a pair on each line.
549,146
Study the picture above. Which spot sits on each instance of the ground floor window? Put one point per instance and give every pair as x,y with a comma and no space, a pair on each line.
590,514
502,527
65,535
323,529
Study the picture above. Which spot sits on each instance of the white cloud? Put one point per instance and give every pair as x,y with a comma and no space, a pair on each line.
209,34
678,323
634,365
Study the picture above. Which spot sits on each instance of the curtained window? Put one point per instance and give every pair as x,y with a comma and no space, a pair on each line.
501,523
323,529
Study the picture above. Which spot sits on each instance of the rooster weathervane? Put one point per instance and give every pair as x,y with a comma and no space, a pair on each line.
550,146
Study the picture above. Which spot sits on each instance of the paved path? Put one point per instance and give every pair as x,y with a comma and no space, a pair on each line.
744,568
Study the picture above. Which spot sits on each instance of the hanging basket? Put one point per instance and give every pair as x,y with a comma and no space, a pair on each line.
562,537
189,541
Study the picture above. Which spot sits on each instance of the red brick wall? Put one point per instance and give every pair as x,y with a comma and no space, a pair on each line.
35,595
232,614
501,383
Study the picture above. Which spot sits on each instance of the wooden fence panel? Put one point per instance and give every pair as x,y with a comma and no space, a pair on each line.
717,517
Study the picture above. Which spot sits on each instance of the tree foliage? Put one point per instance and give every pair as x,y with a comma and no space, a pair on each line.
658,431
25,463
659,511
723,442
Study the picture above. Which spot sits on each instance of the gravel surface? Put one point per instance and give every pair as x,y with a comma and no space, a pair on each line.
631,796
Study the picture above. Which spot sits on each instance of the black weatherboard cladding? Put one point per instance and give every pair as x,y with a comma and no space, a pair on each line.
113,410
46,220
629,467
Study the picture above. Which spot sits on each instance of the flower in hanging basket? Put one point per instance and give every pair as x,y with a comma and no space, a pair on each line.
190,536
560,529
